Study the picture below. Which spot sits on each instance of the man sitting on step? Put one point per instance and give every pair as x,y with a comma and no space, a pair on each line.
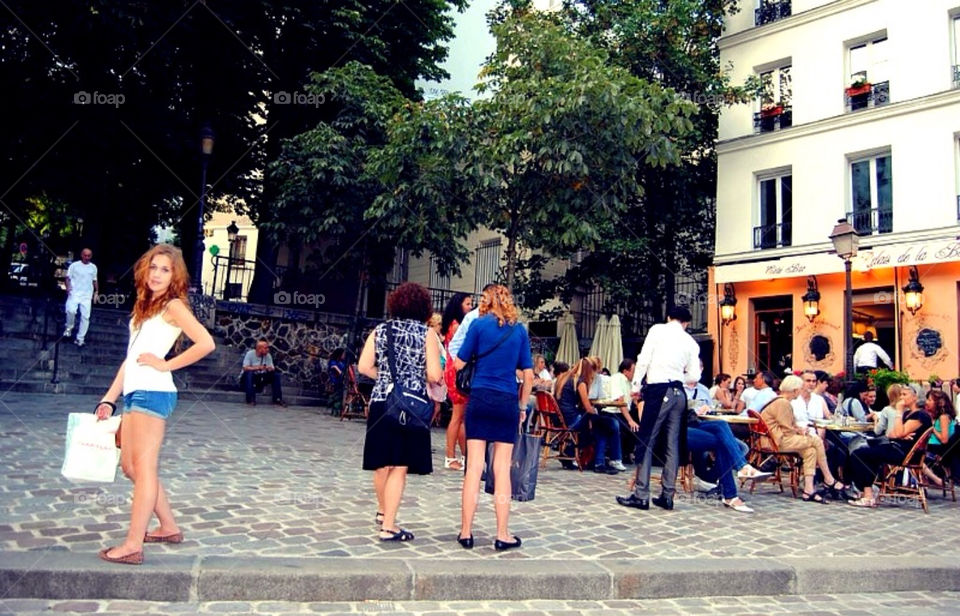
258,370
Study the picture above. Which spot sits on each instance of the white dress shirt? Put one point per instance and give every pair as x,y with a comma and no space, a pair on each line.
867,354
805,412
760,400
669,353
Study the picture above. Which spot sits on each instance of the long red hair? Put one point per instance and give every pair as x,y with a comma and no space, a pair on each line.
146,305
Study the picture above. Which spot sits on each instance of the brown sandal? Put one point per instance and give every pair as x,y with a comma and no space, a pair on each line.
134,558
174,538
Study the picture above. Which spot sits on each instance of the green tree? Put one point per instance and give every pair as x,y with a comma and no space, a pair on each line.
550,156
670,229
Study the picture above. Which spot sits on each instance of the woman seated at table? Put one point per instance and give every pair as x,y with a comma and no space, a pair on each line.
791,438
721,397
571,391
865,463
885,417
943,440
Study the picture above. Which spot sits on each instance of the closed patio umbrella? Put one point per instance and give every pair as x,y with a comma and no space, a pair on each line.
612,350
599,337
569,350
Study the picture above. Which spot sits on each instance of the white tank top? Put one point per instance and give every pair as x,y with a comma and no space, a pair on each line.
154,336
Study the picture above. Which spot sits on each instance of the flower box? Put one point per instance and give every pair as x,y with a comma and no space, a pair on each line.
857,90
770,112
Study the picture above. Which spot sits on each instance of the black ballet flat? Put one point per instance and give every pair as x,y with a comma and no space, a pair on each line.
465,542
506,545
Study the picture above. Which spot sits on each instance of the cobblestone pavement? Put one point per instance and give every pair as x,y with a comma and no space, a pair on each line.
894,604
265,481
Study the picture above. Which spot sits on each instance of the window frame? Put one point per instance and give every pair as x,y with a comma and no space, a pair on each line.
777,175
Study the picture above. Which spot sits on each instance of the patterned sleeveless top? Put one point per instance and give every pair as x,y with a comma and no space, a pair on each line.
410,358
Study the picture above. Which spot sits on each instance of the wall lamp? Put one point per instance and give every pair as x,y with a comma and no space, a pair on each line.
913,292
728,304
811,299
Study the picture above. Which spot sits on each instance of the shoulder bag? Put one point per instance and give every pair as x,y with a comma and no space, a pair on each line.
406,408
465,375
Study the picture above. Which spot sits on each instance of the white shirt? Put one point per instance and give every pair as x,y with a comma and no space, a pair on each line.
805,412
749,393
82,276
619,390
669,353
867,354
154,336
760,400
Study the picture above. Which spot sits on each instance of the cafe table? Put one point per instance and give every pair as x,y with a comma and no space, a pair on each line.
730,419
853,426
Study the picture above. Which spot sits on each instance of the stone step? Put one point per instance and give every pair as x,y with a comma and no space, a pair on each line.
47,574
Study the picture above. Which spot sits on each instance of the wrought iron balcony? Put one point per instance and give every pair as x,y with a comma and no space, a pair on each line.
772,236
868,222
770,11
867,95
773,119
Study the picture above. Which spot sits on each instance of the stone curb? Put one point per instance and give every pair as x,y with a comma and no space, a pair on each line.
67,575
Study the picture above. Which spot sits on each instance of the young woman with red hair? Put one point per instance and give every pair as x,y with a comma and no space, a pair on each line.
160,315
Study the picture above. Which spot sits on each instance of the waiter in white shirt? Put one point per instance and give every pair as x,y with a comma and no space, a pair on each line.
866,356
669,357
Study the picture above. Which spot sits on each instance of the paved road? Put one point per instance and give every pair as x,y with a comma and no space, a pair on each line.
287,482
892,604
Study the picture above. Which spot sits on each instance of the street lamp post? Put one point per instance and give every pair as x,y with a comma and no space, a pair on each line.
206,149
232,231
845,243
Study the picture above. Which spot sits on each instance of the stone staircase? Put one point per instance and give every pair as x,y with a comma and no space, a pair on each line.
30,331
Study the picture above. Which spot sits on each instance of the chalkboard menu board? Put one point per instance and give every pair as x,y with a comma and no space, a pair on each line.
929,341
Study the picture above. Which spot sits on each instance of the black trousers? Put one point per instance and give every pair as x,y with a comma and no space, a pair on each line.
864,464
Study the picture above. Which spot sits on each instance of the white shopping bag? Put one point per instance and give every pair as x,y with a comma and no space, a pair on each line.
92,453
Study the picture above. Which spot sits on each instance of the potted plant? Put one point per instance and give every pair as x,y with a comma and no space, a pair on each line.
935,382
771,109
859,87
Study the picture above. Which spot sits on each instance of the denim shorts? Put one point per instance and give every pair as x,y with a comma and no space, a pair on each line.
156,403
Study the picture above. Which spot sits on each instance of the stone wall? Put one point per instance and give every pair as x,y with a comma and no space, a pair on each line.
300,340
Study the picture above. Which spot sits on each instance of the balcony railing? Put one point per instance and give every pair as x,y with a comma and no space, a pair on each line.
868,95
956,75
868,222
958,207
771,11
772,236
773,119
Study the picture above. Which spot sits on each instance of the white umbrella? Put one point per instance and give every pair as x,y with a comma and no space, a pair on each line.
569,350
613,345
599,336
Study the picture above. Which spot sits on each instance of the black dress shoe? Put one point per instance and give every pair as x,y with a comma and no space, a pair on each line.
465,542
505,545
663,502
633,501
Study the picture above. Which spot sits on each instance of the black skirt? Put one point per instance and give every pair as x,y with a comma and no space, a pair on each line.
492,416
389,444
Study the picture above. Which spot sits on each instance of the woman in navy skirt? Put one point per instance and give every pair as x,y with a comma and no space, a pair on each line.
494,411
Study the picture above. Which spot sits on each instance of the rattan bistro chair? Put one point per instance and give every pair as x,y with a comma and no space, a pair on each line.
913,486
763,450
551,426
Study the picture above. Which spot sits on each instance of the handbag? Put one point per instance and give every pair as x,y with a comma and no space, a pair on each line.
524,467
406,408
91,453
464,376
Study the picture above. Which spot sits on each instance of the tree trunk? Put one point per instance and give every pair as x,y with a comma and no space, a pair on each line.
512,250
261,288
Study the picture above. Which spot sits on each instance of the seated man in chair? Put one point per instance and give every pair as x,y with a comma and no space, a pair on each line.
258,370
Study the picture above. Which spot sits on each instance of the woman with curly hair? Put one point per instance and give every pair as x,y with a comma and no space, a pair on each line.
943,440
392,450
160,315
458,306
494,413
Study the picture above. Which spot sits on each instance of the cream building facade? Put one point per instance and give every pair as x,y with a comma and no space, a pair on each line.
859,119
